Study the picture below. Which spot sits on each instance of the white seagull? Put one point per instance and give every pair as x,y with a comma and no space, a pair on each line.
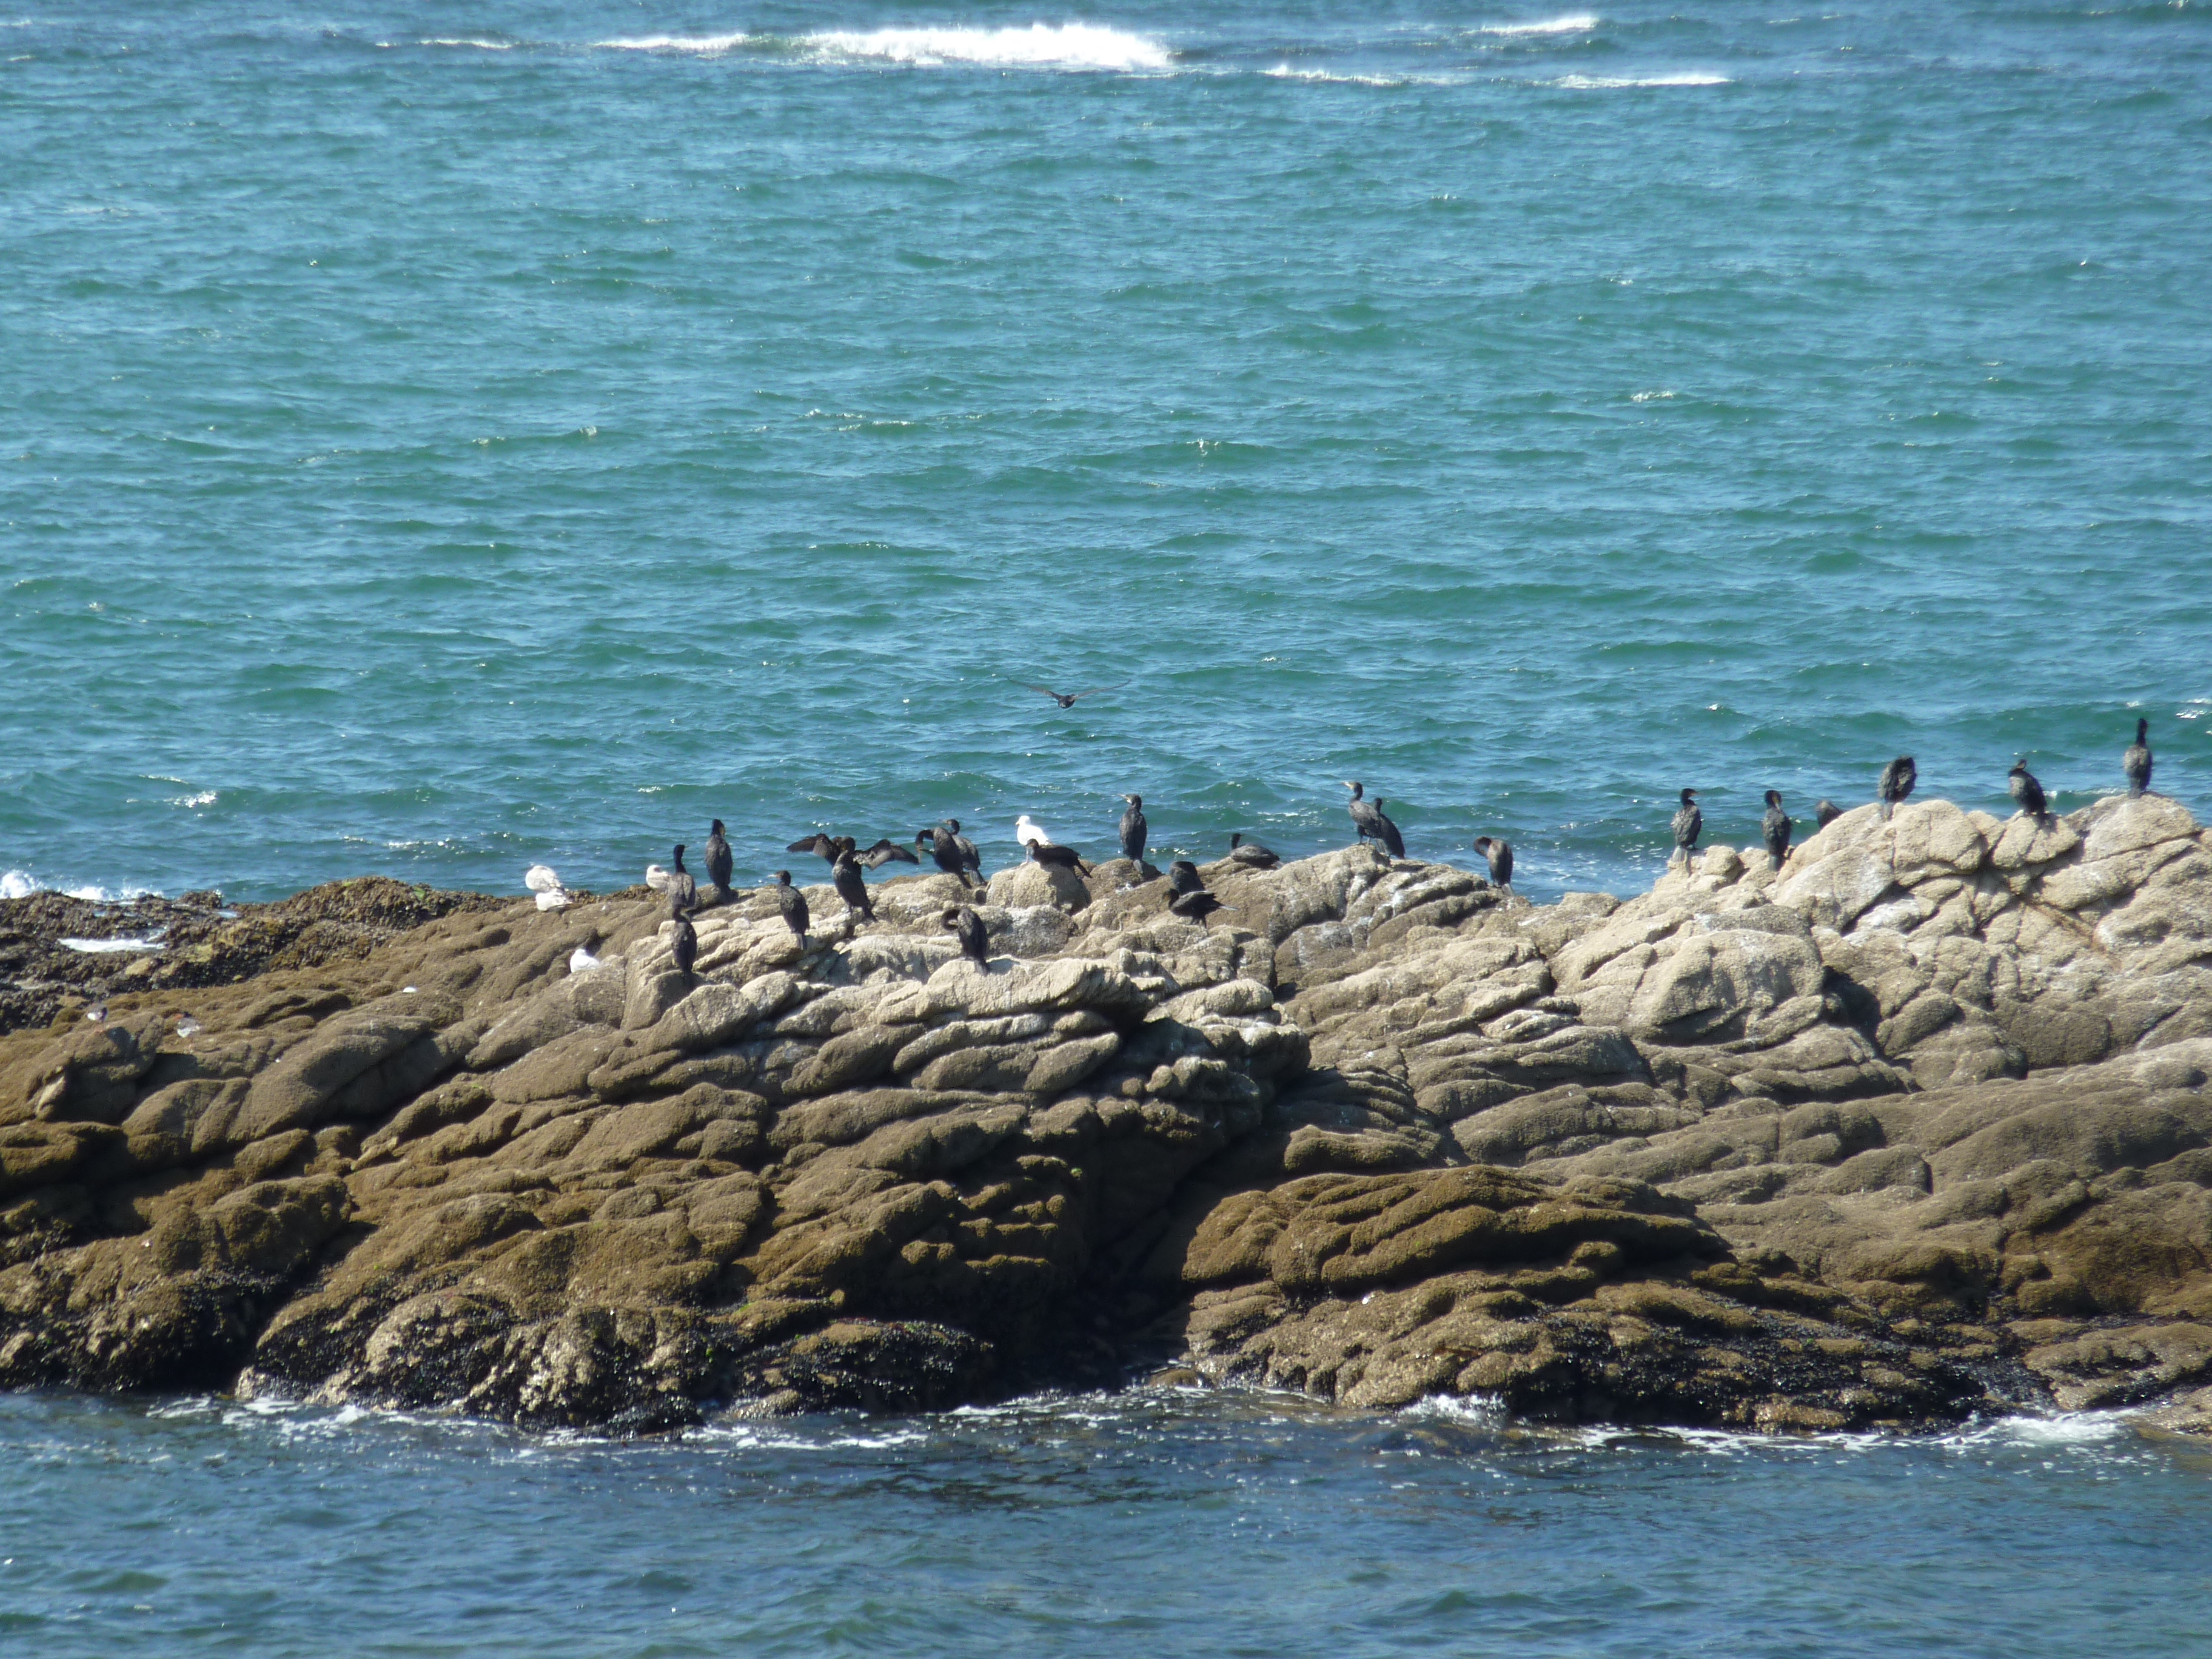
1027,832
540,879
581,961
657,878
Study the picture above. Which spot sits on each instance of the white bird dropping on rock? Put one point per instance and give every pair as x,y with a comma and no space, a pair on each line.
581,961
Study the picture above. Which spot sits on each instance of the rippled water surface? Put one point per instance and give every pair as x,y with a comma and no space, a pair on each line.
442,438
1153,1523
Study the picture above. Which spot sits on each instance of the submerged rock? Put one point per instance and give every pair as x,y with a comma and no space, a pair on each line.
1913,1126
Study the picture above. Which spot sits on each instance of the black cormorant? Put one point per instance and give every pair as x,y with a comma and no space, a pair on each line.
1134,829
1051,851
1194,906
852,886
1774,829
2136,762
1066,699
2026,790
792,903
954,853
822,844
1182,876
965,924
719,862
685,945
1688,822
1367,818
1500,855
683,890
885,851
1897,780
1242,851
1826,813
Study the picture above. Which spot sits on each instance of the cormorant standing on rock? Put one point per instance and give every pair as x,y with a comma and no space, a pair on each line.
719,863
1774,829
685,945
852,886
1897,780
2136,762
1183,878
2026,790
1826,813
965,924
1500,855
1242,851
1367,818
1134,829
1688,823
954,853
1051,851
683,892
792,903
1194,906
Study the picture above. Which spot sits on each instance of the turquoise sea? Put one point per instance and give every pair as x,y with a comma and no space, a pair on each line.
445,438
442,438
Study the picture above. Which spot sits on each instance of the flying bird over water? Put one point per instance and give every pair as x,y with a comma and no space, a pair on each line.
2136,762
1774,829
2026,790
1367,817
1689,821
719,863
852,886
1134,829
1897,780
967,928
1251,853
1500,855
683,890
792,903
1066,699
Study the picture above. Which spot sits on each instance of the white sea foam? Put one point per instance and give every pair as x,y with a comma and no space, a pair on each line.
17,883
468,40
110,946
1579,22
21,883
705,45
1040,46
1610,83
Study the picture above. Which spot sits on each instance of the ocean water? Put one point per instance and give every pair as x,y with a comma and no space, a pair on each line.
1157,1523
445,438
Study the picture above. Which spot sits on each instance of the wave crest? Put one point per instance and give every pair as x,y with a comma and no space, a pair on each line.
1040,46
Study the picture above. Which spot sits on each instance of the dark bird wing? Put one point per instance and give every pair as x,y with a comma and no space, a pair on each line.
1094,690
1047,690
817,843
887,851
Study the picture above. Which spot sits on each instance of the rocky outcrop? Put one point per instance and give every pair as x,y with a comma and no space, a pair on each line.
1913,1126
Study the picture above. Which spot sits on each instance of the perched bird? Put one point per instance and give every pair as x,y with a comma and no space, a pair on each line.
719,862
1029,831
1367,818
1500,855
1251,853
581,961
2136,762
685,947
540,879
955,853
792,903
656,878
966,925
1774,829
1826,813
1066,699
884,851
1134,829
1194,906
1897,780
1182,878
1688,823
852,886
2026,790
821,845
683,892
1051,851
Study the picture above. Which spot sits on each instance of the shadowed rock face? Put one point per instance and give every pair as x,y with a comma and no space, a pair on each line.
1917,1124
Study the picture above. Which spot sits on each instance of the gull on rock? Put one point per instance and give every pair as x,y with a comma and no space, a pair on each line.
581,961
1029,833
540,879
